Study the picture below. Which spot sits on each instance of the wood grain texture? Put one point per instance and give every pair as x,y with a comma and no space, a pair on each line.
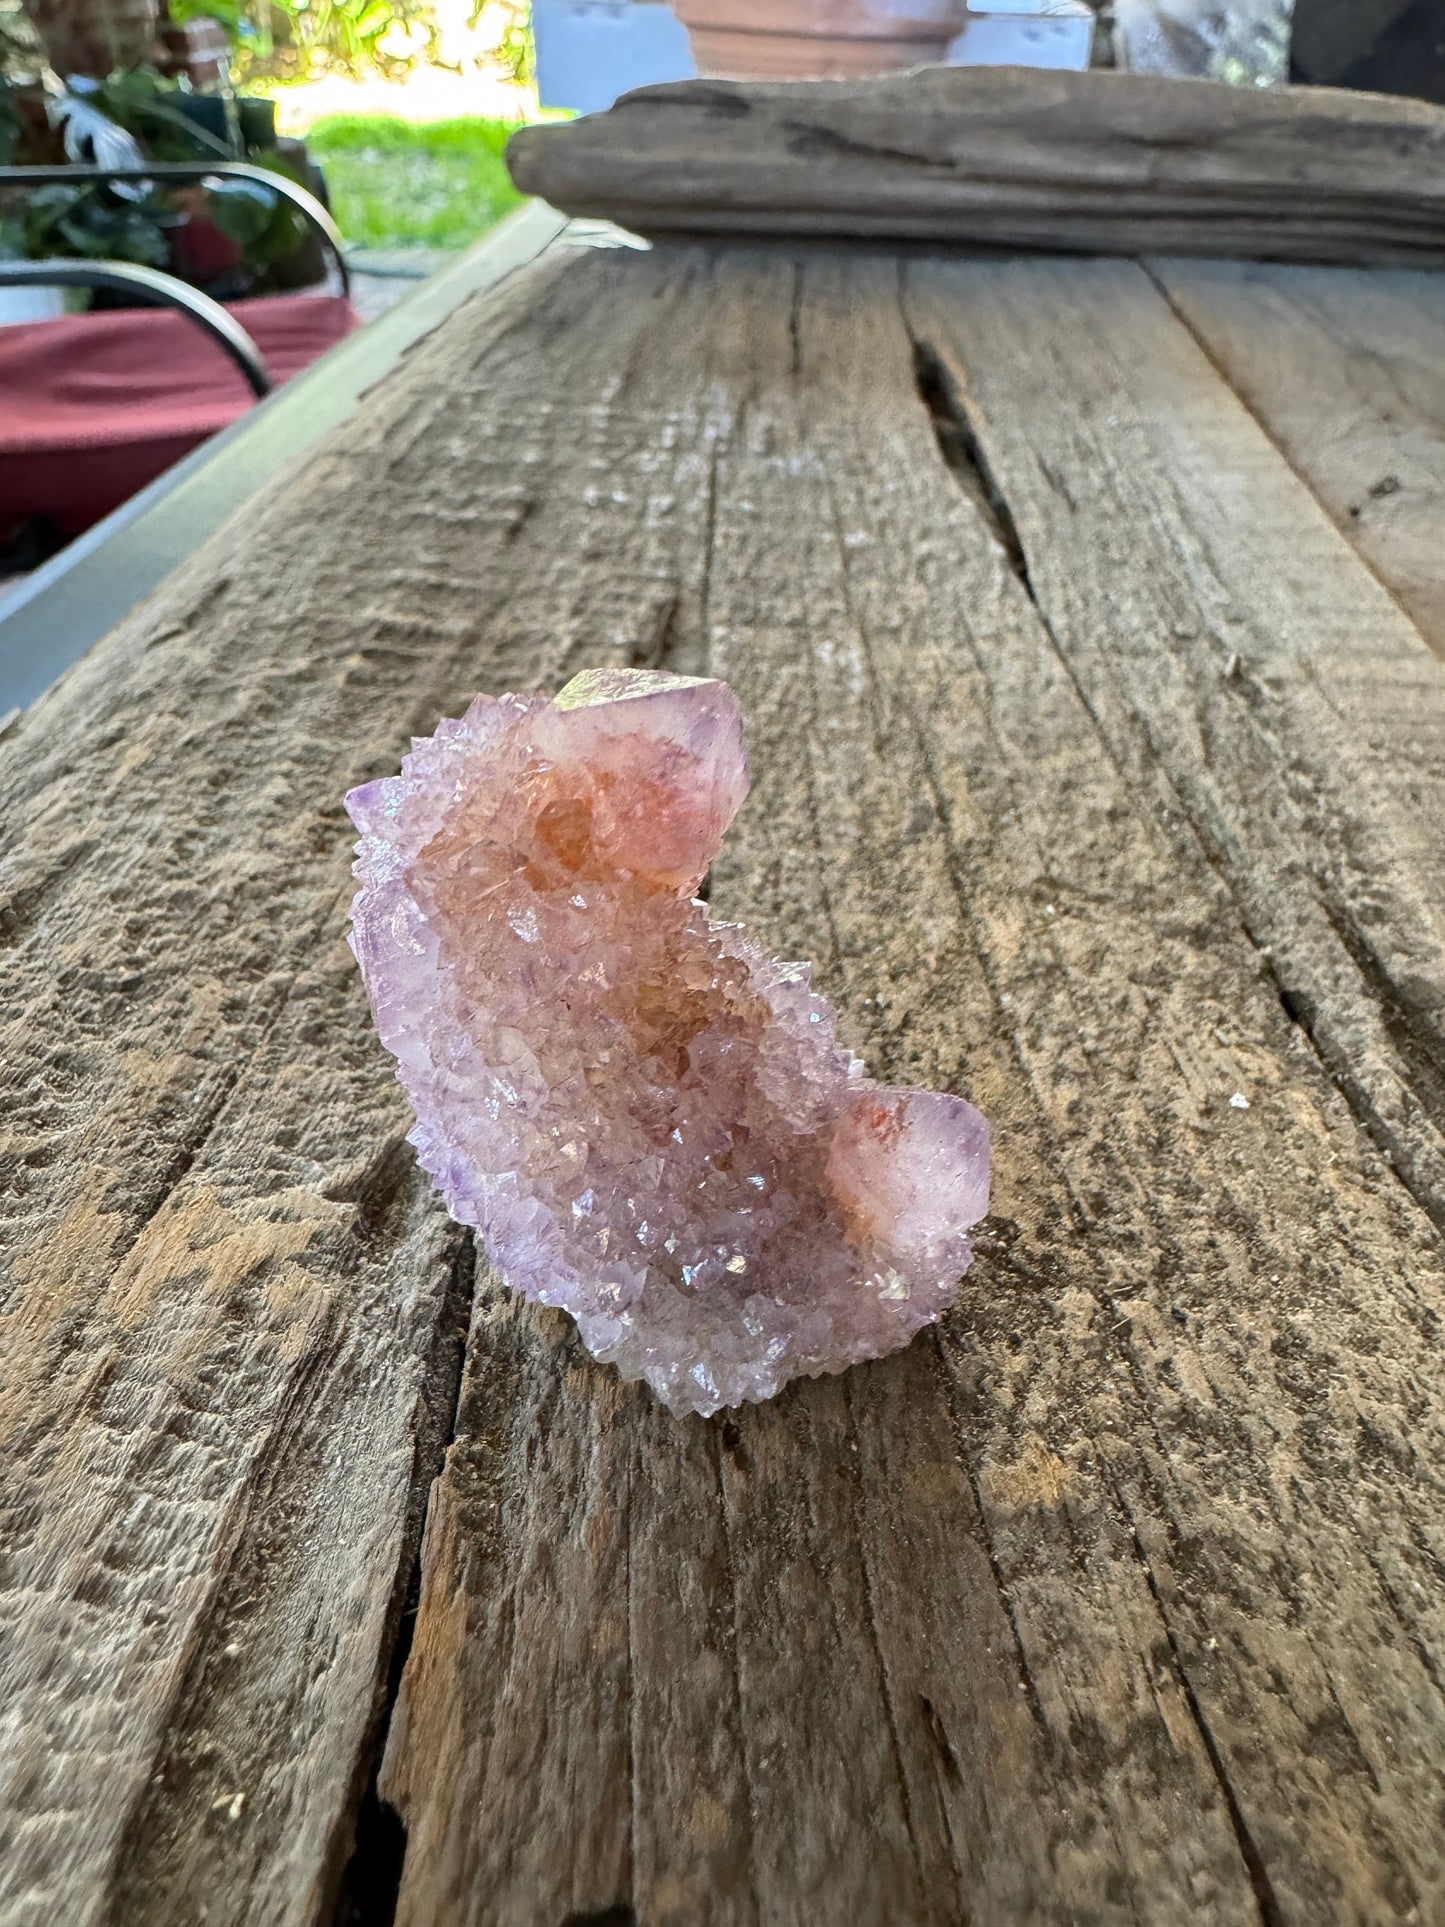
1347,374
1119,1601
231,1314
1099,775
1009,156
1229,644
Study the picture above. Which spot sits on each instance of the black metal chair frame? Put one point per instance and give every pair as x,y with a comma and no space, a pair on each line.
151,284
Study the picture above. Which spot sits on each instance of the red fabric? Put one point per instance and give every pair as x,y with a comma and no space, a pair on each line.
94,406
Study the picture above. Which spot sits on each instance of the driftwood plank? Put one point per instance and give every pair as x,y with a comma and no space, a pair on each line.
1347,373
1088,163
1119,1599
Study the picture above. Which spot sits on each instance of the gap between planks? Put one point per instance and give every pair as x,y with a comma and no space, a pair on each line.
1302,471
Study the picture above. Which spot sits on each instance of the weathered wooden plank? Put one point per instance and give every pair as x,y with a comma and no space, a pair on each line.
1347,373
1119,1599
231,1316
1010,156
1232,648
1117,1602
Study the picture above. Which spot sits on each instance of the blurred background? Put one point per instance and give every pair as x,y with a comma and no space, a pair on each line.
404,109
395,119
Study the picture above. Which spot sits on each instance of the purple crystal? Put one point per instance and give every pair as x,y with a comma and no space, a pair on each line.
650,1120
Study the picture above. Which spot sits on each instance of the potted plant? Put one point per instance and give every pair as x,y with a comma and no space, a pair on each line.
798,39
82,80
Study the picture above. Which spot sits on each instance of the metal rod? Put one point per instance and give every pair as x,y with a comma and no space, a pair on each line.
159,290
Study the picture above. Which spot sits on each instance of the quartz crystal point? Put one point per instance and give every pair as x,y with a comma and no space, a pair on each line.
649,1120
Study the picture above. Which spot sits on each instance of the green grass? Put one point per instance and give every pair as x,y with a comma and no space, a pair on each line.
399,184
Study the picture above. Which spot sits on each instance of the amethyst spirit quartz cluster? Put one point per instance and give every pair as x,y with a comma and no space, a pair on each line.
648,1119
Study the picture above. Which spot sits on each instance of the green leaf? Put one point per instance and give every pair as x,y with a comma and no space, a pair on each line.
229,13
141,240
242,210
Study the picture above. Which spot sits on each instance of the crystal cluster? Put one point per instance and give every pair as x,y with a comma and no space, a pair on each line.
648,1119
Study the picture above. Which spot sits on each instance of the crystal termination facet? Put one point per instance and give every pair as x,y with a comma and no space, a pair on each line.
649,1120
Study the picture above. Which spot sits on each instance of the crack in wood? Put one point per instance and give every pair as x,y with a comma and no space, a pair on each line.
1299,1006
187,1747
885,1691
369,1888
726,1436
942,1745
1271,1914
185,1154
633,1800
656,651
963,454
709,555
1026,1678
815,141
877,698
1412,1035
387,1177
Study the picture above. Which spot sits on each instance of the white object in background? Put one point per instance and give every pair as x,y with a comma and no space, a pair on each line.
590,51
1026,33
1245,43
30,304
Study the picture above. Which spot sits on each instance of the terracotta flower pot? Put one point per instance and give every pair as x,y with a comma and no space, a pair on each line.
809,39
